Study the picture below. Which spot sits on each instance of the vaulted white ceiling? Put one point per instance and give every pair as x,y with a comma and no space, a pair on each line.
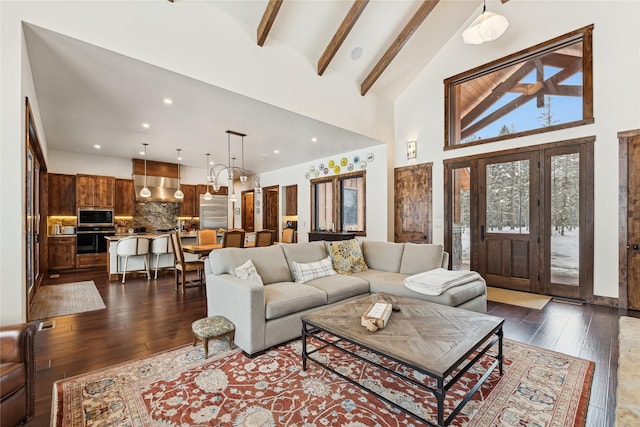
90,95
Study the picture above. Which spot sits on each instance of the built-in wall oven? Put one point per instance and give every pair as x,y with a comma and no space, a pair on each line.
93,226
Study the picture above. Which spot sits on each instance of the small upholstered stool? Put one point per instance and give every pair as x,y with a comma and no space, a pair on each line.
214,327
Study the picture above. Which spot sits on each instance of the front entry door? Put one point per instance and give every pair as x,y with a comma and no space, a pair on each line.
508,200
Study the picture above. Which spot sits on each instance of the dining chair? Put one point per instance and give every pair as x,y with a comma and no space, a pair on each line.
160,245
287,235
264,238
233,239
183,266
133,247
207,237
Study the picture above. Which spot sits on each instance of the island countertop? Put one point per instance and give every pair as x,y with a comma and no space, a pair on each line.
151,234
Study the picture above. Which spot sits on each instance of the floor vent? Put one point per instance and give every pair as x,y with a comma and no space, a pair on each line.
567,301
46,325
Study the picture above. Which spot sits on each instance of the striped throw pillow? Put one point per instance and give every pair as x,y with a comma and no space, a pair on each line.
303,272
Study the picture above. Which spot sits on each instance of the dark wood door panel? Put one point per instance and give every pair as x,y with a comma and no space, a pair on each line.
633,223
413,204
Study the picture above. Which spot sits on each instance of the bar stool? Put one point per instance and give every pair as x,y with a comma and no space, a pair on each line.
160,245
133,246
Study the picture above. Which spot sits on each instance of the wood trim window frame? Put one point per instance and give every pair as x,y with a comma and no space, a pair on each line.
337,201
452,121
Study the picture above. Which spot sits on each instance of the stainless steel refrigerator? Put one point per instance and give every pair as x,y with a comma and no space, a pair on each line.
213,213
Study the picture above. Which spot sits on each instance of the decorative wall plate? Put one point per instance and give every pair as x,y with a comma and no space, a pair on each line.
326,171
336,169
316,173
331,164
356,159
363,165
344,161
370,157
307,175
350,167
321,166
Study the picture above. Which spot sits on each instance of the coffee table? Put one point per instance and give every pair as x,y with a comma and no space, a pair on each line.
433,339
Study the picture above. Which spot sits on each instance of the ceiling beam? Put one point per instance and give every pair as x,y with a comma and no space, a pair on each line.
425,9
267,20
341,34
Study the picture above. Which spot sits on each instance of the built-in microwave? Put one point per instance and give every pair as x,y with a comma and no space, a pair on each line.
90,217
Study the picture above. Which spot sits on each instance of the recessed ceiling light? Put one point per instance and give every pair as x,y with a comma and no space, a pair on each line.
314,139
276,151
168,101
142,153
97,146
146,125
356,53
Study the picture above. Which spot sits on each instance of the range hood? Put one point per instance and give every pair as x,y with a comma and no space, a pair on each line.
161,188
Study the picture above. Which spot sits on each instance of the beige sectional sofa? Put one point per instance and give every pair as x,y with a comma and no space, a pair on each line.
269,314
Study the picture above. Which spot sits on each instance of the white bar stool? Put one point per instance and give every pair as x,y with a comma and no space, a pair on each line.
133,246
160,245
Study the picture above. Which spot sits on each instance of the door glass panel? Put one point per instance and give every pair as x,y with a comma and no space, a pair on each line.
461,219
565,203
508,197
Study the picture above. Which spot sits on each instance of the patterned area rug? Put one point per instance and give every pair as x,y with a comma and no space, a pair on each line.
69,298
628,393
180,388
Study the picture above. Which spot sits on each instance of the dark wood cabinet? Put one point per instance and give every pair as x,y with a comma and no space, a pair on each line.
62,194
314,236
188,204
94,191
91,260
291,200
125,198
62,253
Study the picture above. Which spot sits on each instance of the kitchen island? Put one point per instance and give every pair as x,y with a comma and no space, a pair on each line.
166,261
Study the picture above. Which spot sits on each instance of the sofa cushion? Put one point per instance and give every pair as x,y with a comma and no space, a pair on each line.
385,256
304,252
340,286
417,258
287,297
304,271
248,271
270,262
347,257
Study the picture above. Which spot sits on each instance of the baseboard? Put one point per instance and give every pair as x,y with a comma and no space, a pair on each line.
606,301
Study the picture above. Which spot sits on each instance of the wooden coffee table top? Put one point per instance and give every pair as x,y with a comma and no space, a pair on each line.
432,337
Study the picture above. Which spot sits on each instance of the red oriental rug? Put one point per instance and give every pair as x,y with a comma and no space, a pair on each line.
180,388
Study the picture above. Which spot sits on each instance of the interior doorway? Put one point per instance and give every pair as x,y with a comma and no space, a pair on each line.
270,203
629,219
248,217
524,218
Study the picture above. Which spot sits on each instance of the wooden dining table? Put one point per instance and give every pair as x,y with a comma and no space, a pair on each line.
205,249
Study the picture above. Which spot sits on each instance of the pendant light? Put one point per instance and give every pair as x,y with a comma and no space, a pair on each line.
232,198
178,194
145,192
207,195
485,28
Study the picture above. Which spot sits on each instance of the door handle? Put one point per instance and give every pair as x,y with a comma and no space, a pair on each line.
482,233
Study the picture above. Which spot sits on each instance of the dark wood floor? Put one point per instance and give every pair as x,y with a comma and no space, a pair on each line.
145,317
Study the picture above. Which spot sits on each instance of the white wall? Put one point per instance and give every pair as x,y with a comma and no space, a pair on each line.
376,183
419,111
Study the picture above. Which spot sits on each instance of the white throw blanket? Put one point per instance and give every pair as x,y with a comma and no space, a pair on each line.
438,280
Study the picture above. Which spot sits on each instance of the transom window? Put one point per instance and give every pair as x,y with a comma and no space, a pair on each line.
540,89
338,203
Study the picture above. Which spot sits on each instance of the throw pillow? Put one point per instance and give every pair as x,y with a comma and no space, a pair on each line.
303,272
346,256
248,271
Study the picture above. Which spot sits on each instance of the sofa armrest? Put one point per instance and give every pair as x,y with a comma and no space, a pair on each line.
445,260
242,301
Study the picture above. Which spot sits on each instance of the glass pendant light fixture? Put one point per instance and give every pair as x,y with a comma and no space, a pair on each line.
145,192
232,198
178,194
485,28
207,195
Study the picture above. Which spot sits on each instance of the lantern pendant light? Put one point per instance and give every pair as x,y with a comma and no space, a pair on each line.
145,192
207,195
178,194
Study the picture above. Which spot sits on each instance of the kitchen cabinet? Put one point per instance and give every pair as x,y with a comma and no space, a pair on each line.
188,205
62,194
91,260
93,191
62,253
125,200
291,200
